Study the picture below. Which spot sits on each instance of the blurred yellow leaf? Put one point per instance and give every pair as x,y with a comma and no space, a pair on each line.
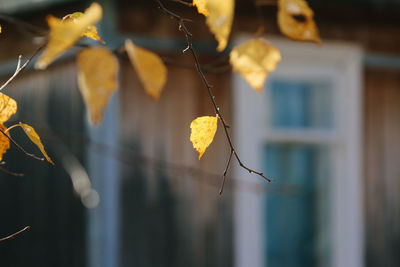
149,67
295,19
91,31
64,34
8,107
97,79
201,6
219,20
254,60
203,132
34,137
4,142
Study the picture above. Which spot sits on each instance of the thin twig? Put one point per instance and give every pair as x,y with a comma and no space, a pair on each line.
183,2
209,68
15,234
224,175
11,173
20,68
20,147
190,48
261,20
25,27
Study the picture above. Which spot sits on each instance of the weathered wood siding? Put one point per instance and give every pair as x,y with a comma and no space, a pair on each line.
44,198
172,213
378,31
382,168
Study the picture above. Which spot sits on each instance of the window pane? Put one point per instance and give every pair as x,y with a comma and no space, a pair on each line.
301,104
297,205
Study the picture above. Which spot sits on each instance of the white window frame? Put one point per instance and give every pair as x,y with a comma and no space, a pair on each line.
342,62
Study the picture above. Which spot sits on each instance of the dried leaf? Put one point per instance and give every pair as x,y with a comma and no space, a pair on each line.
295,19
8,107
34,137
149,67
254,60
97,79
4,142
201,6
203,132
64,34
91,31
219,20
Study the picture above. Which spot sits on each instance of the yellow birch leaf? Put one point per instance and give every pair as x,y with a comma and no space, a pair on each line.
97,79
64,34
4,142
149,67
91,31
8,107
34,137
203,132
219,20
254,60
201,6
295,19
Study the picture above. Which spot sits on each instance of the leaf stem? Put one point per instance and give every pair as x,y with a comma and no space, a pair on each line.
11,127
20,147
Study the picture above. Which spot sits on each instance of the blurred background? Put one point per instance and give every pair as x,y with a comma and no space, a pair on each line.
324,128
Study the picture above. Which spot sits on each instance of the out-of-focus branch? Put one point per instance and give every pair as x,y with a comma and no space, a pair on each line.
11,173
25,27
183,2
15,234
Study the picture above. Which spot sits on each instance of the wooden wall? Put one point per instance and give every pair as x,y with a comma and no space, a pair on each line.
182,220
44,198
377,30
171,213
170,196
382,168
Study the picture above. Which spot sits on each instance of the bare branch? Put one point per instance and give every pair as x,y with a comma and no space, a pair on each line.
188,36
15,234
208,68
20,68
20,147
183,2
11,173
251,170
25,27
224,175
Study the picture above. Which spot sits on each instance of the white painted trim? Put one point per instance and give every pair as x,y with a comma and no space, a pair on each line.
341,62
